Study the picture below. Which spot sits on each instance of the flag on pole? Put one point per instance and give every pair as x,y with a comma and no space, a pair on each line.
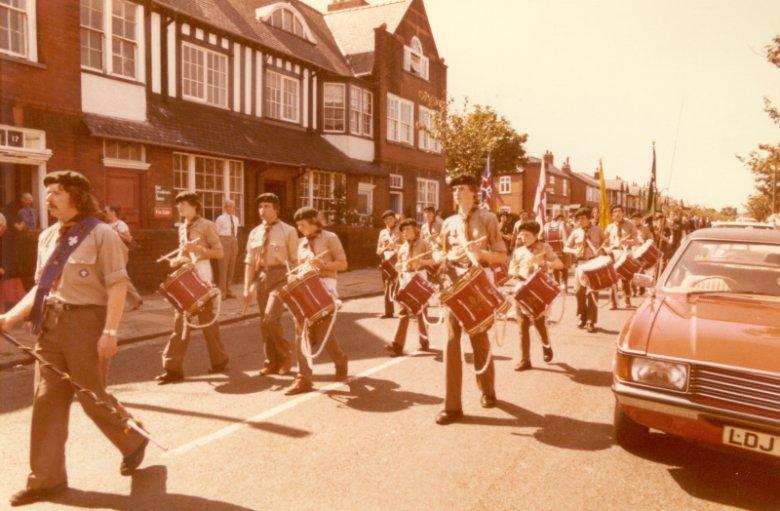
651,190
540,199
605,217
486,189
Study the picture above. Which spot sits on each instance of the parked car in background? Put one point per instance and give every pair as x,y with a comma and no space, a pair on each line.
700,358
743,225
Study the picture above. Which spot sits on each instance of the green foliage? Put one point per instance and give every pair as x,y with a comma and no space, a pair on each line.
468,134
759,207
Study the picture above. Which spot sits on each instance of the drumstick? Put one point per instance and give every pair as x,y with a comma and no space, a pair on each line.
294,270
169,255
463,247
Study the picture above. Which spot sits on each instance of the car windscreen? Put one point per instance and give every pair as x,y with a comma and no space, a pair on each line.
727,267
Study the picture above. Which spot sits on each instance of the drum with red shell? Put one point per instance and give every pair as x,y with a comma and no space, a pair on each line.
647,254
554,237
627,266
535,294
186,291
389,272
597,273
500,273
414,291
475,300
307,298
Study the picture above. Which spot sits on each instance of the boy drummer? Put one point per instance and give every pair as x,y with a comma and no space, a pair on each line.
530,254
321,250
412,256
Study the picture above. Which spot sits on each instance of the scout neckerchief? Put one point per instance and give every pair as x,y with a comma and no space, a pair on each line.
67,243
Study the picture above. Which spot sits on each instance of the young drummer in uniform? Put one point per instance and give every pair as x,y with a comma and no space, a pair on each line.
272,247
413,254
621,235
388,241
431,227
76,307
322,250
585,243
530,254
558,225
198,244
470,223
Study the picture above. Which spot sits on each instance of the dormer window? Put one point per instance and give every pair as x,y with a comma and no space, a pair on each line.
415,61
285,16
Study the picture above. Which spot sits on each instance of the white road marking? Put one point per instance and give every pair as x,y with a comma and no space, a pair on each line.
292,403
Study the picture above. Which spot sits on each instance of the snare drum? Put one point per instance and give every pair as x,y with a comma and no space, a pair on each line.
474,300
554,237
414,292
500,273
389,271
535,294
597,274
647,254
186,291
308,298
626,266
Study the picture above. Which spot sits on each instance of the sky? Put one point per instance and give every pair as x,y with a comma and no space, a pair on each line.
592,80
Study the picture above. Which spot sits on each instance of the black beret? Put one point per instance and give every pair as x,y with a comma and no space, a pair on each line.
67,177
582,212
463,179
614,207
429,208
267,197
531,226
388,213
186,196
305,213
408,221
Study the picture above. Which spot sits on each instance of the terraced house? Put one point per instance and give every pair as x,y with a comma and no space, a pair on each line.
226,97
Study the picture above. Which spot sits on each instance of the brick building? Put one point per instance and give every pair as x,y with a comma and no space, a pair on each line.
558,184
584,191
225,97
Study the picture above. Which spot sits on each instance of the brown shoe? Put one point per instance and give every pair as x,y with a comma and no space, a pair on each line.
269,369
342,369
133,460
29,496
591,327
523,365
394,349
299,386
448,417
488,401
169,377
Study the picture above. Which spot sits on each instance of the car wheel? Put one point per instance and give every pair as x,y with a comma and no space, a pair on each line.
628,433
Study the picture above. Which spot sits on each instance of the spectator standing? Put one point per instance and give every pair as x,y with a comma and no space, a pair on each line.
123,230
227,229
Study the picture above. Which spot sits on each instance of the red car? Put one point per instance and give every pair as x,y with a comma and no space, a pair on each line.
700,358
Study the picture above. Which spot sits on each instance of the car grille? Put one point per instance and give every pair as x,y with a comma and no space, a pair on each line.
758,392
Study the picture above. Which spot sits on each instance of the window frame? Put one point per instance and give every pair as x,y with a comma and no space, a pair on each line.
359,97
205,75
427,142
504,184
184,167
283,79
368,188
29,32
421,205
307,188
330,108
92,30
400,181
127,6
413,52
400,103
116,161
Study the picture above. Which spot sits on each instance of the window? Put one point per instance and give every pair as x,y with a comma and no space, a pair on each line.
120,150
565,184
505,184
551,180
92,34
396,181
426,141
123,46
333,106
397,202
427,195
214,179
204,75
17,28
414,60
288,21
281,97
317,189
361,112
365,199
400,117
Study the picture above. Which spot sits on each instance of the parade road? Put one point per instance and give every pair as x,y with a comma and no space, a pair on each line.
236,442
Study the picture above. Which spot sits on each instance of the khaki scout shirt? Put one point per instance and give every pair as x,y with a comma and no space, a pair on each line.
576,243
430,232
478,223
622,235
319,243
521,265
97,263
387,237
412,249
643,233
281,248
205,232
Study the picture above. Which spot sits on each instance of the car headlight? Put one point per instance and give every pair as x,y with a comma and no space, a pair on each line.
653,372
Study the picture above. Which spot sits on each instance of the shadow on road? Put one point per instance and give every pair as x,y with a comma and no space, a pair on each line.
724,478
376,395
592,377
148,492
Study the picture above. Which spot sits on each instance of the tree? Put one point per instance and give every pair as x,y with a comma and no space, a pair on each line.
729,213
469,134
758,207
773,56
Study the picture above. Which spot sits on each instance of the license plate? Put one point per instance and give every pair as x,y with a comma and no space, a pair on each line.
752,440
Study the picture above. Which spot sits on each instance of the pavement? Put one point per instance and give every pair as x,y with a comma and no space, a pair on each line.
236,442
155,317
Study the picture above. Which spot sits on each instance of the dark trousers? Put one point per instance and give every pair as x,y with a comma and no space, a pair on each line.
277,347
388,284
454,365
403,327
587,309
68,341
317,333
627,286
173,356
540,324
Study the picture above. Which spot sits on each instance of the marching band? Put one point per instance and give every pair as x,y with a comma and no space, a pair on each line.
463,258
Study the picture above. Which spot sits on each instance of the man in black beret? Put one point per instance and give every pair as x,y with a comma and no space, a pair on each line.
272,247
386,247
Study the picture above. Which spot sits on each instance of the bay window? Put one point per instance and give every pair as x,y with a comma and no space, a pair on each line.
333,108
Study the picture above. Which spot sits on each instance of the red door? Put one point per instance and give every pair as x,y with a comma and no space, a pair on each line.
123,189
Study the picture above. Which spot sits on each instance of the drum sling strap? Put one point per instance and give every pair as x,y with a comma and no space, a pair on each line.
67,243
305,338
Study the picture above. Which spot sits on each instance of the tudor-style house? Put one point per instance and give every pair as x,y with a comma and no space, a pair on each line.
225,97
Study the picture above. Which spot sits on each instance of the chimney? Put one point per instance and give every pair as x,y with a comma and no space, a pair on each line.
340,5
566,166
548,158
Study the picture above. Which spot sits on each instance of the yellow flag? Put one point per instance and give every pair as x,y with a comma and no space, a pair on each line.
605,217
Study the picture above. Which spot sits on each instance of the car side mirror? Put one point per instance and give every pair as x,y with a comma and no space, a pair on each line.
642,280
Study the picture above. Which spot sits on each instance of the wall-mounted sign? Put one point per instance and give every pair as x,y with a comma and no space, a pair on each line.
162,194
163,212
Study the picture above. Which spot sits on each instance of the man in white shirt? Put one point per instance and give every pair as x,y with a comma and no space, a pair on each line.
227,228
